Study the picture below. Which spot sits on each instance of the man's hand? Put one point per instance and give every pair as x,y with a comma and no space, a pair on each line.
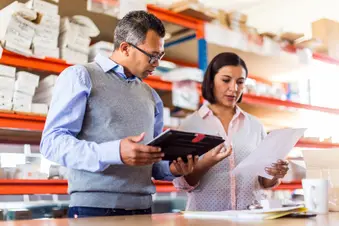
134,154
180,168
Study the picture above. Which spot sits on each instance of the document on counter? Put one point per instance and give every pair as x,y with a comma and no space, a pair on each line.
275,146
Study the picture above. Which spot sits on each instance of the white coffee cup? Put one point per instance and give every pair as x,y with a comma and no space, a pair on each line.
316,195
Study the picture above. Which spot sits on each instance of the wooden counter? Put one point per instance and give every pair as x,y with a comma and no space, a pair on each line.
176,219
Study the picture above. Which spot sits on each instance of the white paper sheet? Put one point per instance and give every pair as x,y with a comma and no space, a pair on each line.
275,146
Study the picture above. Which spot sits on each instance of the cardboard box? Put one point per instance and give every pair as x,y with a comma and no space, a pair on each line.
290,36
237,16
193,8
326,30
7,71
39,108
28,78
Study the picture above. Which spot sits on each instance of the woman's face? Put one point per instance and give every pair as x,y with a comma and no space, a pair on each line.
229,83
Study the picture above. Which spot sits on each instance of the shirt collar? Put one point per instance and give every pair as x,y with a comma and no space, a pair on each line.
107,64
205,111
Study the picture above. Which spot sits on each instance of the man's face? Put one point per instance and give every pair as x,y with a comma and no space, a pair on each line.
142,65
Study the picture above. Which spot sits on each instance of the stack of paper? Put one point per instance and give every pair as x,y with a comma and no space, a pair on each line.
7,80
258,214
75,38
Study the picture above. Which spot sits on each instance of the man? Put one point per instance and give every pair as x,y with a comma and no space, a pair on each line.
100,117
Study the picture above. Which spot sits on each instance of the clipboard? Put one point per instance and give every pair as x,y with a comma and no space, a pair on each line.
175,143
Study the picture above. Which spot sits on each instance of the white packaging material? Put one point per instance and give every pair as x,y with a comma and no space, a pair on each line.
102,48
6,83
13,10
43,7
21,98
45,42
87,25
49,20
6,106
73,57
6,95
47,82
46,31
39,108
7,71
22,107
73,40
183,74
28,78
23,87
15,47
46,94
19,40
42,52
19,25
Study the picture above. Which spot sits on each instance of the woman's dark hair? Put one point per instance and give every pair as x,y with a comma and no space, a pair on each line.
219,61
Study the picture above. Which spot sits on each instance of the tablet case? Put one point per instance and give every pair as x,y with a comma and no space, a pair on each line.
176,144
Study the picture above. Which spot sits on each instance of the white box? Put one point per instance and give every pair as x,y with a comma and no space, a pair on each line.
44,94
6,83
43,52
24,87
15,47
6,106
73,57
47,32
21,98
45,100
6,95
43,7
47,82
73,40
19,40
39,108
19,25
28,78
7,71
44,42
51,21
22,107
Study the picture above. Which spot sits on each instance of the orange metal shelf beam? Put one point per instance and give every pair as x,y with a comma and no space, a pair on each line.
11,120
175,18
289,186
28,187
254,99
316,144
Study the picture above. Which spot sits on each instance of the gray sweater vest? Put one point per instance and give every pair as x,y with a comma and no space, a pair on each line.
115,109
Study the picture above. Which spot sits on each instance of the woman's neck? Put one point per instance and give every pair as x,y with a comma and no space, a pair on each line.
222,111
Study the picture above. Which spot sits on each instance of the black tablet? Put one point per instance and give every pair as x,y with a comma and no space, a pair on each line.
176,144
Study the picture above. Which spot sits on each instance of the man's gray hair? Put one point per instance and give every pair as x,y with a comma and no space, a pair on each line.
134,26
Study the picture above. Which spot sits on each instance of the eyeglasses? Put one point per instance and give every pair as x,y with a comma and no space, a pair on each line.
152,58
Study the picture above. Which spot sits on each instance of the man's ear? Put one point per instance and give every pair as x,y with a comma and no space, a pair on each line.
124,48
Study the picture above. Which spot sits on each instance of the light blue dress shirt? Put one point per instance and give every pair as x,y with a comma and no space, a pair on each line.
64,121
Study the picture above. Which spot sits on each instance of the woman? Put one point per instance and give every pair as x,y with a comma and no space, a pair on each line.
210,186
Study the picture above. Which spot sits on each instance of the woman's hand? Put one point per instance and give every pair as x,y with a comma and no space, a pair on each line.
278,169
216,155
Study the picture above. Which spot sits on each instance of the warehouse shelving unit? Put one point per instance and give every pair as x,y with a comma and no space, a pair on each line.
16,121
